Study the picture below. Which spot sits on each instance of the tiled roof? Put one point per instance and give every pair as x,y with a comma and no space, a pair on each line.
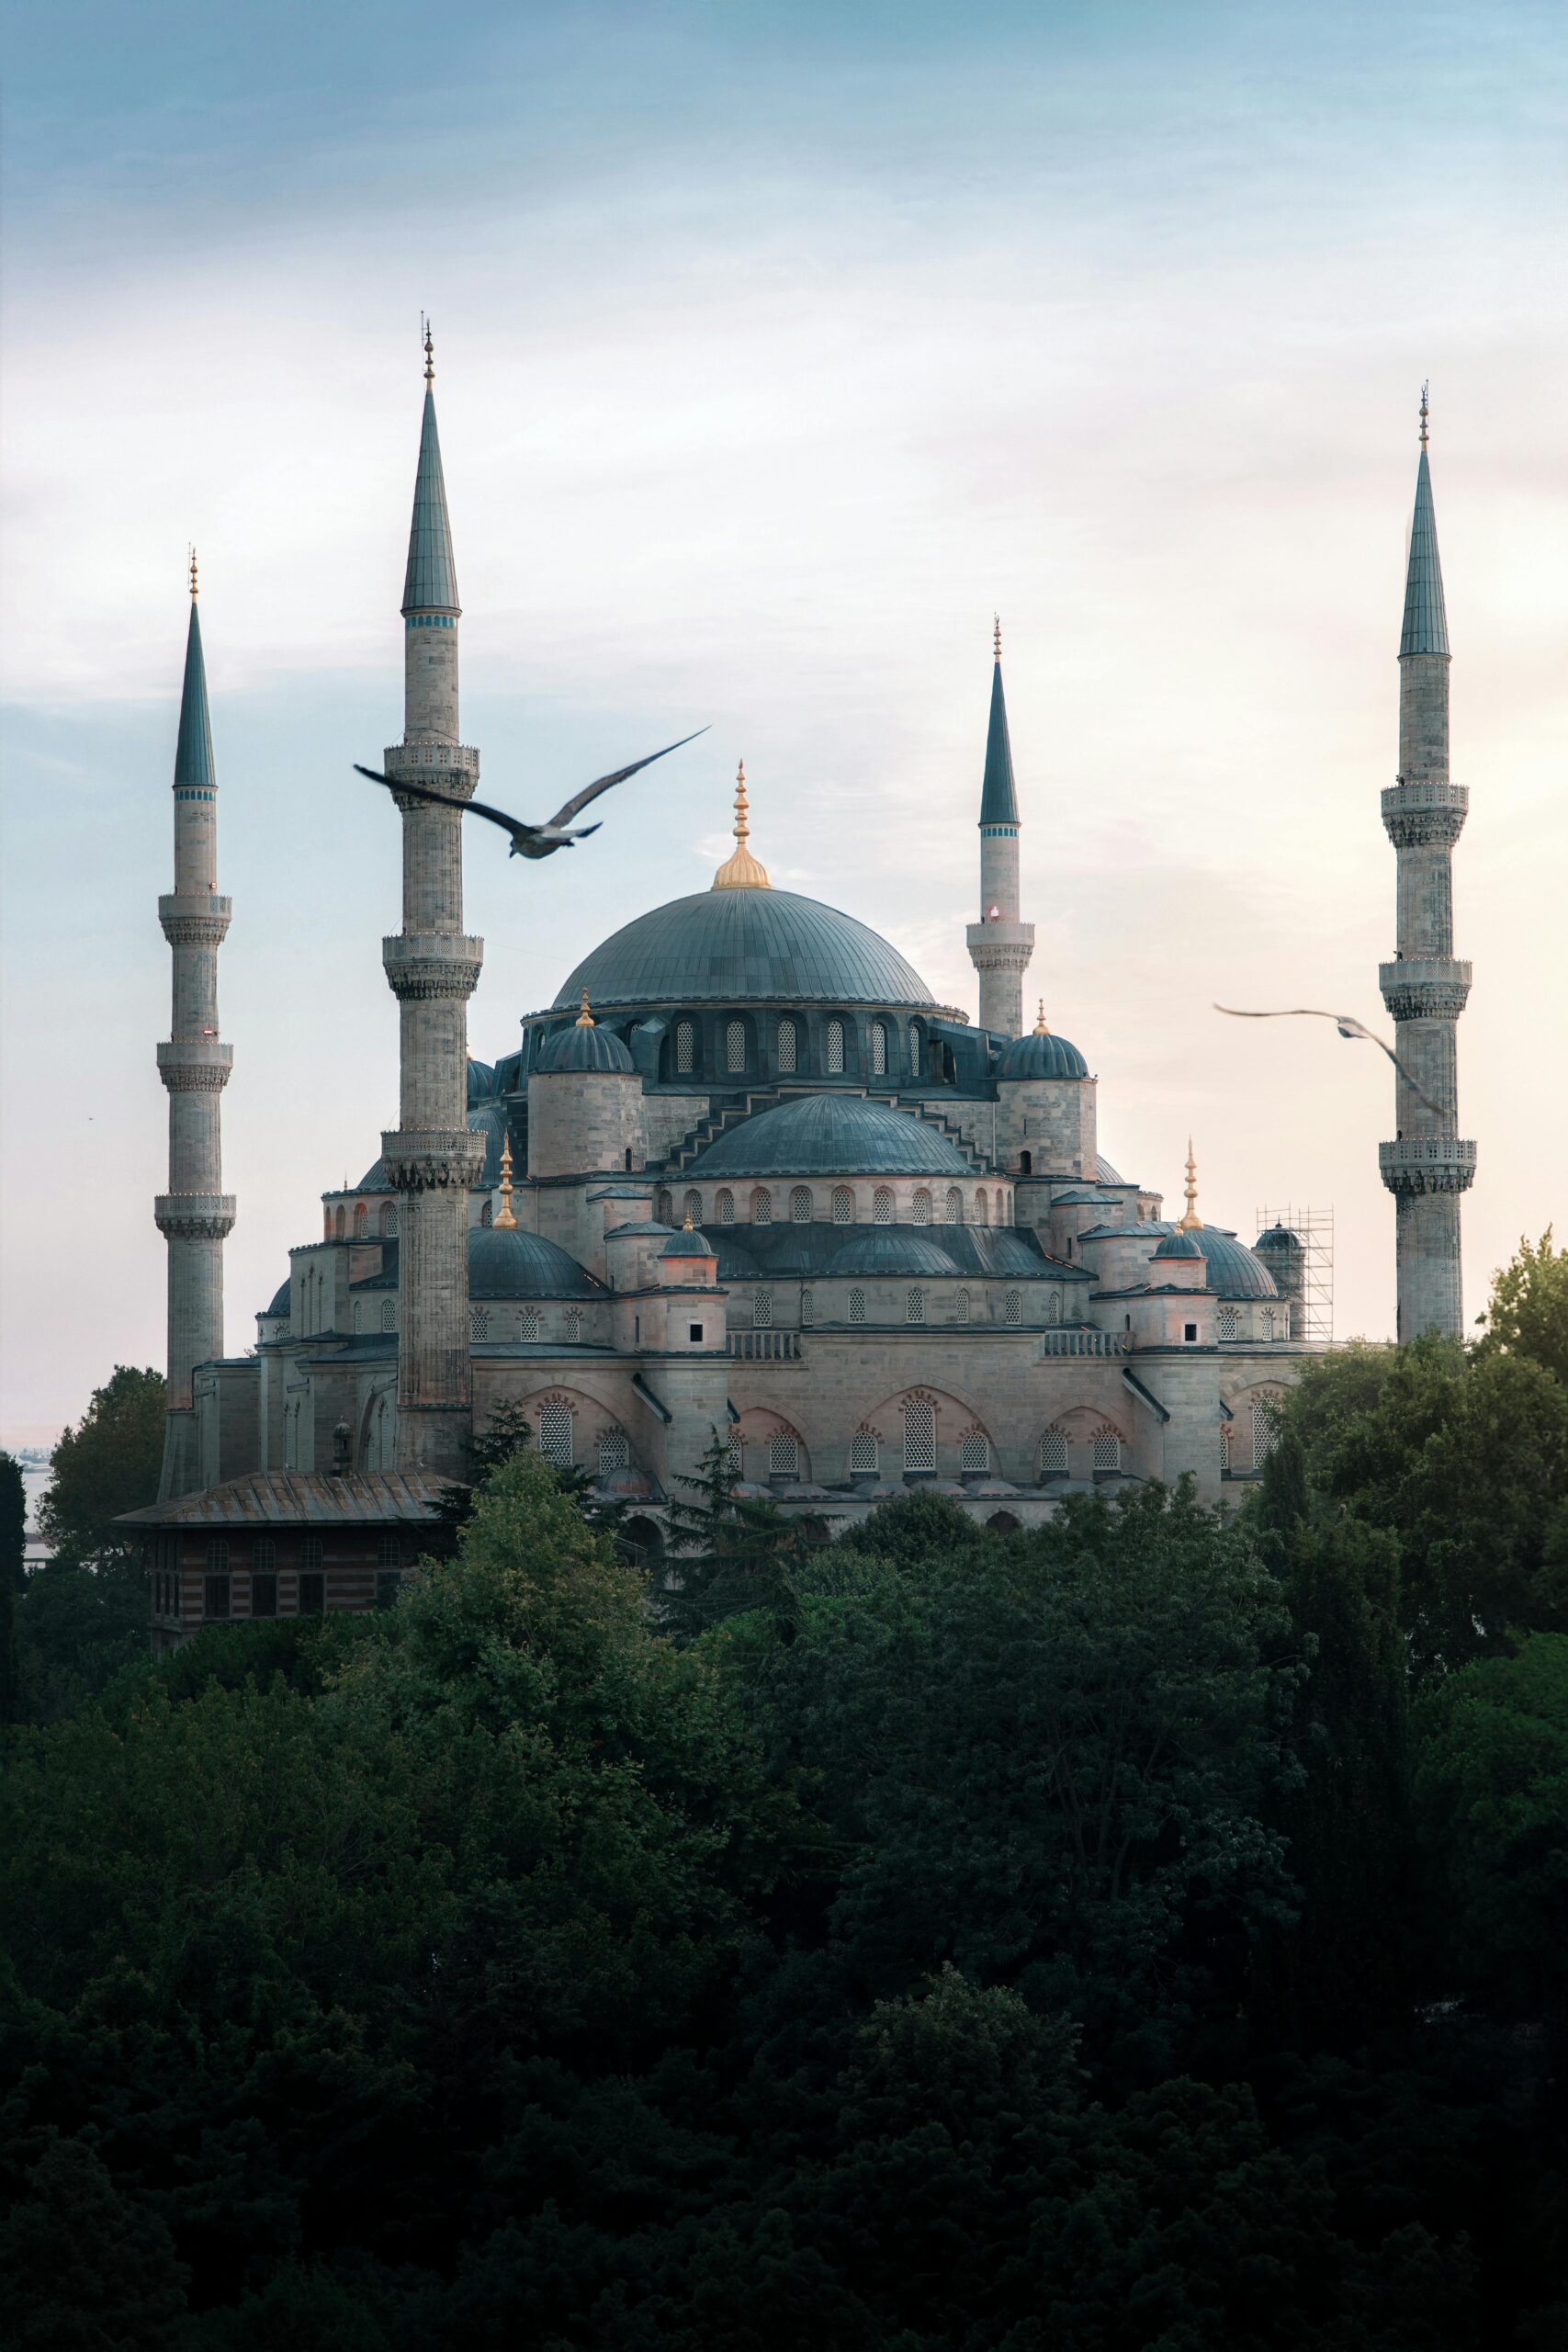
299,1498
831,1135
732,947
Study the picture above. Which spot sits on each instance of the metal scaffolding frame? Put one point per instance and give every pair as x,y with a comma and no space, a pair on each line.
1315,1230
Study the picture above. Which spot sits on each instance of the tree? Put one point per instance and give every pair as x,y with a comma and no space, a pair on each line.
109,1463
13,1525
1528,1315
730,1552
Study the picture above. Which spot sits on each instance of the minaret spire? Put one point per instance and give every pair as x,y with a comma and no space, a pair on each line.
1428,1165
1000,946
433,969
195,1215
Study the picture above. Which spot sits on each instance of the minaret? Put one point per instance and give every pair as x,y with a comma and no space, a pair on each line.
194,1214
432,969
1000,944
1427,1166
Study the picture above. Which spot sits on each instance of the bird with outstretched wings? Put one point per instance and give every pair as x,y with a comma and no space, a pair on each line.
532,840
1347,1026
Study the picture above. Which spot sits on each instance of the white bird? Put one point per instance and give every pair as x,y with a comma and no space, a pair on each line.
531,840
1347,1026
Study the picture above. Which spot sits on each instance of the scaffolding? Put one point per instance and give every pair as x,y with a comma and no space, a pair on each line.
1315,1230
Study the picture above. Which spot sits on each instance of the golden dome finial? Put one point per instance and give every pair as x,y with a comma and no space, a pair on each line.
997,634
1191,1222
193,575
1424,415
1041,1029
687,1226
505,1220
586,1018
741,872
429,348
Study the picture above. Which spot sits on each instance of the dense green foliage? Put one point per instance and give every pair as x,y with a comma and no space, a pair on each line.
1146,1931
109,1462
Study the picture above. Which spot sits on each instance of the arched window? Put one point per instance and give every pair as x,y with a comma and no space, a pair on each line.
784,1454
882,1206
879,1050
843,1205
1054,1455
557,1438
788,1049
613,1452
734,1046
731,1459
685,1048
478,1323
835,1046
217,1556
389,1221
761,1205
342,1221
1228,1325
857,1307
762,1306
388,1551
361,1220
574,1327
914,1304
388,1314
692,1207
1265,1430
923,1205
664,1205
974,1451
807,1308
1268,1322
961,1308
1107,1454
264,1556
1012,1309
982,1207
920,1434
1225,1428
952,1207
1026,1163
326,1221
486,1214
864,1458
916,1065
800,1204
530,1322
1053,1307
724,1204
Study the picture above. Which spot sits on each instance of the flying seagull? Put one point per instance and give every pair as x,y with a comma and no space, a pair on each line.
1347,1026
532,840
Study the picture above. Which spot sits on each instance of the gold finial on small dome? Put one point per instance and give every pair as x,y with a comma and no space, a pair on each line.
687,1227
997,634
1191,1222
505,1220
193,575
1424,411
742,871
586,1018
1041,1027
429,348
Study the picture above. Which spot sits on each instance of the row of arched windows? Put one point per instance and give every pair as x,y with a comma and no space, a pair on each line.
764,1206
339,1225
915,1302
888,1051
916,1455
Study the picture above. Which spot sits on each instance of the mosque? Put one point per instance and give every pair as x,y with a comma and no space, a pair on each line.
743,1181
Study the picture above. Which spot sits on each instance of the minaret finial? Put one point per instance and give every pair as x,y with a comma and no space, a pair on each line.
193,575
1424,411
504,1218
429,348
586,1018
1040,1030
1191,1222
741,872
997,635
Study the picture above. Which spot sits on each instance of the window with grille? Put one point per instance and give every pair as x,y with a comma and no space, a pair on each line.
982,1207
857,1307
613,1452
961,1308
217,1555
731,1459
692,1207
388,1222
724,1204
1054,1455
953,1205
763,1307
1053,1307
664,1206
1268,1321
800,1204
882,1206
762,1206
215,1597
478,1323
920,1434
923,1205
574,1326
863,1454
530,1322
1107,1450
1012,1309
361,1220
264,1554
786,1051
835,1047
557,1438
263,1595
388,1551
685,1048
808,1309
1264,1430
915,1061
843,1205
914,1304
313,1592
734,1045
783,1456
1224,1448
974,1451
487,1214
310,1552
388,1314
1228,1325
879,1050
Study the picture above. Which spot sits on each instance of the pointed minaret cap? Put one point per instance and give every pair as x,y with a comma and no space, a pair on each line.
1191,1222
430,584
998,801
1425,629
741,871
505,1220
193,768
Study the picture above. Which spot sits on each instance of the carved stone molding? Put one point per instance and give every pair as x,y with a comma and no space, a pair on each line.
1432,1164
195,1078
194,1216
451,769
195,930
1429,810
1430,987
432,1159
432,966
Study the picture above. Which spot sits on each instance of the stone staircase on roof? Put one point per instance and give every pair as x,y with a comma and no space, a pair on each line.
714,1123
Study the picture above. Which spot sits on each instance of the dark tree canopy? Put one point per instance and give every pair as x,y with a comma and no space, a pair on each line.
109,1462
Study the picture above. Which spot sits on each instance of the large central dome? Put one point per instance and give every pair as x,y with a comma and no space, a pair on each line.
727,946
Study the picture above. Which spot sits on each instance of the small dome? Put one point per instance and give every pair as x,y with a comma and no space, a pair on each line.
892,1249
1180,1245
688,1243
1040,1054
831,1135
1234,1272
584,1047
280,1304
515,1264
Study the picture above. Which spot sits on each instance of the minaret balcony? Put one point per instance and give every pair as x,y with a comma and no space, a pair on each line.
1427,1164
194,1216
195,1064
1430,809
452,768
432,1159
193,917
1425,988
431,964
1000,946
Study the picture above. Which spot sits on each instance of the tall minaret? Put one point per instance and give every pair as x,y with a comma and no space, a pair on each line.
1000,944
1426,1167
433,969
194,1214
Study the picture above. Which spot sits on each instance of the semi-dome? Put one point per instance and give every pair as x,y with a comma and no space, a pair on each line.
728,946
1179,1245
1234,1272
892,1249
514,1264
584,1047
280,1302
831,1135
1041,1055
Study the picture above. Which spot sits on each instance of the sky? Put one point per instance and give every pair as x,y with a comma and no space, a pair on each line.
776,350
